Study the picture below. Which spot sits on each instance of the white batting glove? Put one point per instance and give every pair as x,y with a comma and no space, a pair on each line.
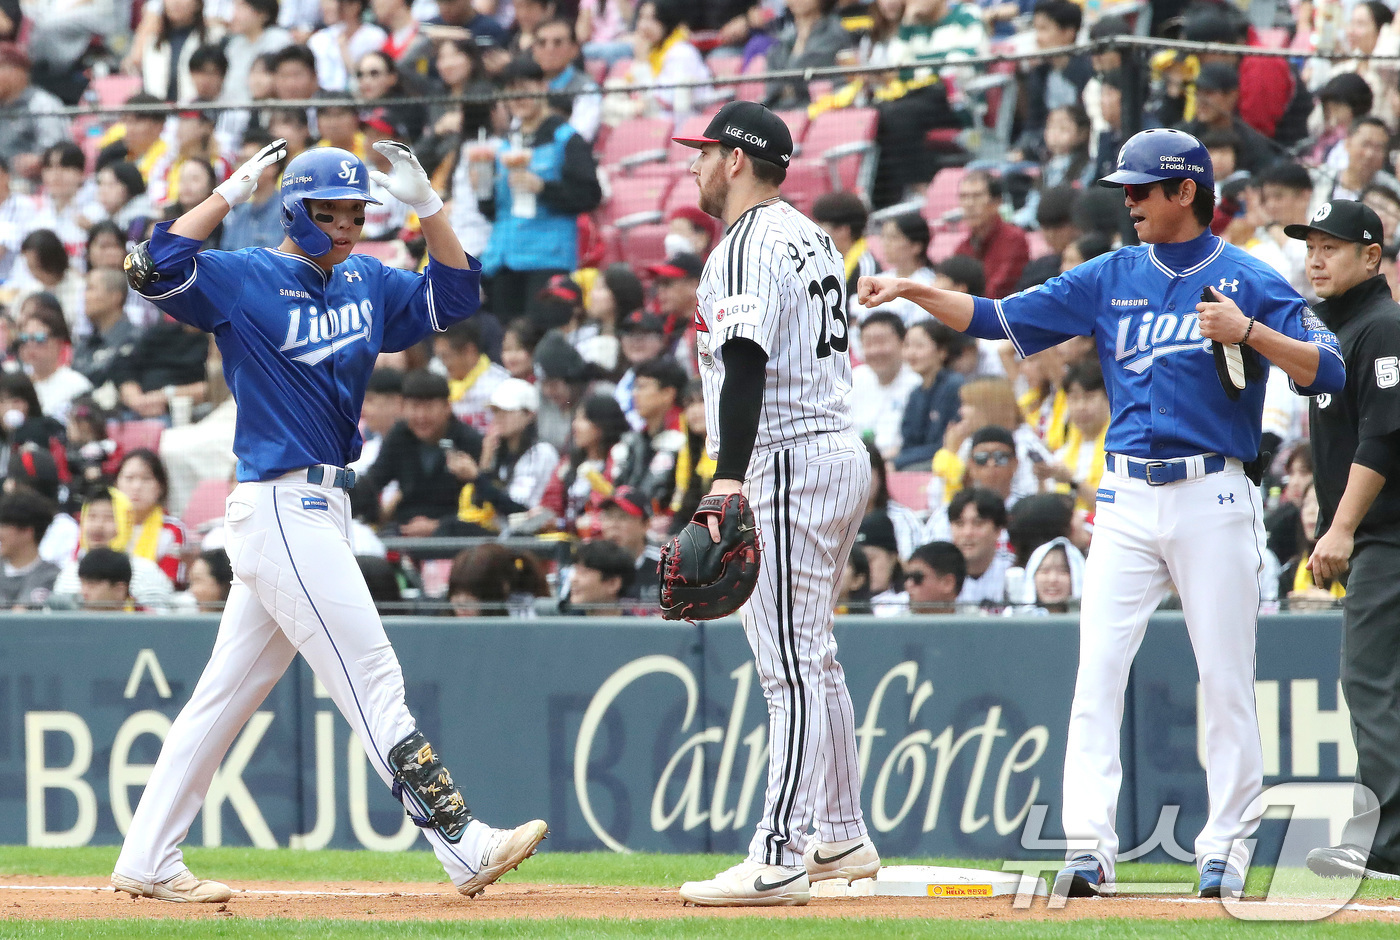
239,187
407,182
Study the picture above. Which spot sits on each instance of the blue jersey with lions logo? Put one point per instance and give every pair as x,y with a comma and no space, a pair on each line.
299,342
1139,304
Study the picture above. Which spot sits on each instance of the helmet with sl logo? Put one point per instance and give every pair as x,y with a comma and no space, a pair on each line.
1161,153
319,173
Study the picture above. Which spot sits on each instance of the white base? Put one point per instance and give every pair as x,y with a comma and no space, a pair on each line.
929,881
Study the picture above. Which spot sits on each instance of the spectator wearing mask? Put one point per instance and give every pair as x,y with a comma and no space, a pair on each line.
24,422
881,385
26,580
424,454
601,576
690,231
541,188
1000,246
977,520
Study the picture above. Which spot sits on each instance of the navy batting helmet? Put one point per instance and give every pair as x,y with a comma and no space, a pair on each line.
319,173
1162,154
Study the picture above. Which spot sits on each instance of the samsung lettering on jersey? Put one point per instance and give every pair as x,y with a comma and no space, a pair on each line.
1142,341
326,331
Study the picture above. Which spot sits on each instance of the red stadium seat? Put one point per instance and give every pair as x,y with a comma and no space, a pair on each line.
645,245
944,243
845,140
206,503
797,122
632,195
113,90
909,488
806,180
612,245
693,126
725,65
636,140
941,196
384,251
136,434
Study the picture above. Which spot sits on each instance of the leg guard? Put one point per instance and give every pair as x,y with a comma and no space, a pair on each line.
419,772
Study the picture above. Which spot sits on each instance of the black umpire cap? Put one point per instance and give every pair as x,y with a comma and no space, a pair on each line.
750,127
1346,219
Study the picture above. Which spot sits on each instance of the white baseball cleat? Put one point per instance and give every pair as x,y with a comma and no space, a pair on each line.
506,850
183,887
848,859
750,884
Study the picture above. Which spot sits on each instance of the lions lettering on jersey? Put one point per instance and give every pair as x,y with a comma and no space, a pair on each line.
1142,340
326,331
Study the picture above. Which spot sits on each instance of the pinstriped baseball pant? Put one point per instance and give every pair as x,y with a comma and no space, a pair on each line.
808,500
297,589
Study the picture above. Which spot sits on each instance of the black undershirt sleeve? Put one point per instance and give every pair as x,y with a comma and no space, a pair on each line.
1381,454
740,401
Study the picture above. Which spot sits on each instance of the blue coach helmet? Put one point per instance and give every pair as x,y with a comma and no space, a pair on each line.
1162,154
319,173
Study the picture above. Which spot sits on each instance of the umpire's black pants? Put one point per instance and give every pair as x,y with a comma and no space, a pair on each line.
1371,683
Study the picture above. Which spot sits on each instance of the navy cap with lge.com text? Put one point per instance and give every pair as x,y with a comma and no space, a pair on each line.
750,127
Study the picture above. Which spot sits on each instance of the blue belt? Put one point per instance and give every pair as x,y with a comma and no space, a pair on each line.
1161,472
343,479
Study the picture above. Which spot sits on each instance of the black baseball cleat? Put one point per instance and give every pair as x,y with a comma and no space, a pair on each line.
1346,861
1081,878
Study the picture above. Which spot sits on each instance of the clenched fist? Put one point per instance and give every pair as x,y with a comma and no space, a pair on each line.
876,291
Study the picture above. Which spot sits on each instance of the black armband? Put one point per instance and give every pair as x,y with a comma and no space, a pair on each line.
740,402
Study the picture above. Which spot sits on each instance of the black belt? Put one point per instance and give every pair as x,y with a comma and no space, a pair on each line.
342,479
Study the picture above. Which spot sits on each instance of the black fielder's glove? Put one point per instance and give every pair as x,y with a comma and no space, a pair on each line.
1235,365
702,579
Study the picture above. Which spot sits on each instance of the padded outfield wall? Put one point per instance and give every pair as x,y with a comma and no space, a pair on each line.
647,735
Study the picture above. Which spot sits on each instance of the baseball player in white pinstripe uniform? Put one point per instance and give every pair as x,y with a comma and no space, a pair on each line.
772,342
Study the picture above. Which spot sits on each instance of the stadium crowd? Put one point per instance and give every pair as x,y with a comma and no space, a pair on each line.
567,415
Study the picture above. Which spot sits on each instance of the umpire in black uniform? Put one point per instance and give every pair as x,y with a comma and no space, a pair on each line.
1356,452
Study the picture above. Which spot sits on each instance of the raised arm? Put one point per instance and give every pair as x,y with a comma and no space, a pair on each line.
409,183
199,223
950,307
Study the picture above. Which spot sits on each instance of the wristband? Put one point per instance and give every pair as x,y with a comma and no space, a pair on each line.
427,207
1247,330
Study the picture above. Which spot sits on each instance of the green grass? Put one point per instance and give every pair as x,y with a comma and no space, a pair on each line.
581,868
700,928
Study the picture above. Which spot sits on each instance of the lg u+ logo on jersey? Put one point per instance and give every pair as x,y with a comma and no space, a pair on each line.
350,172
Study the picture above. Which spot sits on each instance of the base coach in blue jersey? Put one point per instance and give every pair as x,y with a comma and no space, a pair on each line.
1356,452
300,327
1175,506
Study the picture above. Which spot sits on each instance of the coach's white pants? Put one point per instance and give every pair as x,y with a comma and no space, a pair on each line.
808,500
1206,537
297,588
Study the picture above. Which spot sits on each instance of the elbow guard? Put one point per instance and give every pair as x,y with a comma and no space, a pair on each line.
419,773
140,267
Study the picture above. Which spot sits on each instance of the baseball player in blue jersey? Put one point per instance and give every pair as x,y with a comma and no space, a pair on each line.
1175,506
299,327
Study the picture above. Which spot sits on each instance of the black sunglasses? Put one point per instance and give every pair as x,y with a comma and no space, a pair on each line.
1139,192
1001,458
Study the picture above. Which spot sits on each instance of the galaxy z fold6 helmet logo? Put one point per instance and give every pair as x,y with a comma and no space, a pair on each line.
320,333
1146,337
